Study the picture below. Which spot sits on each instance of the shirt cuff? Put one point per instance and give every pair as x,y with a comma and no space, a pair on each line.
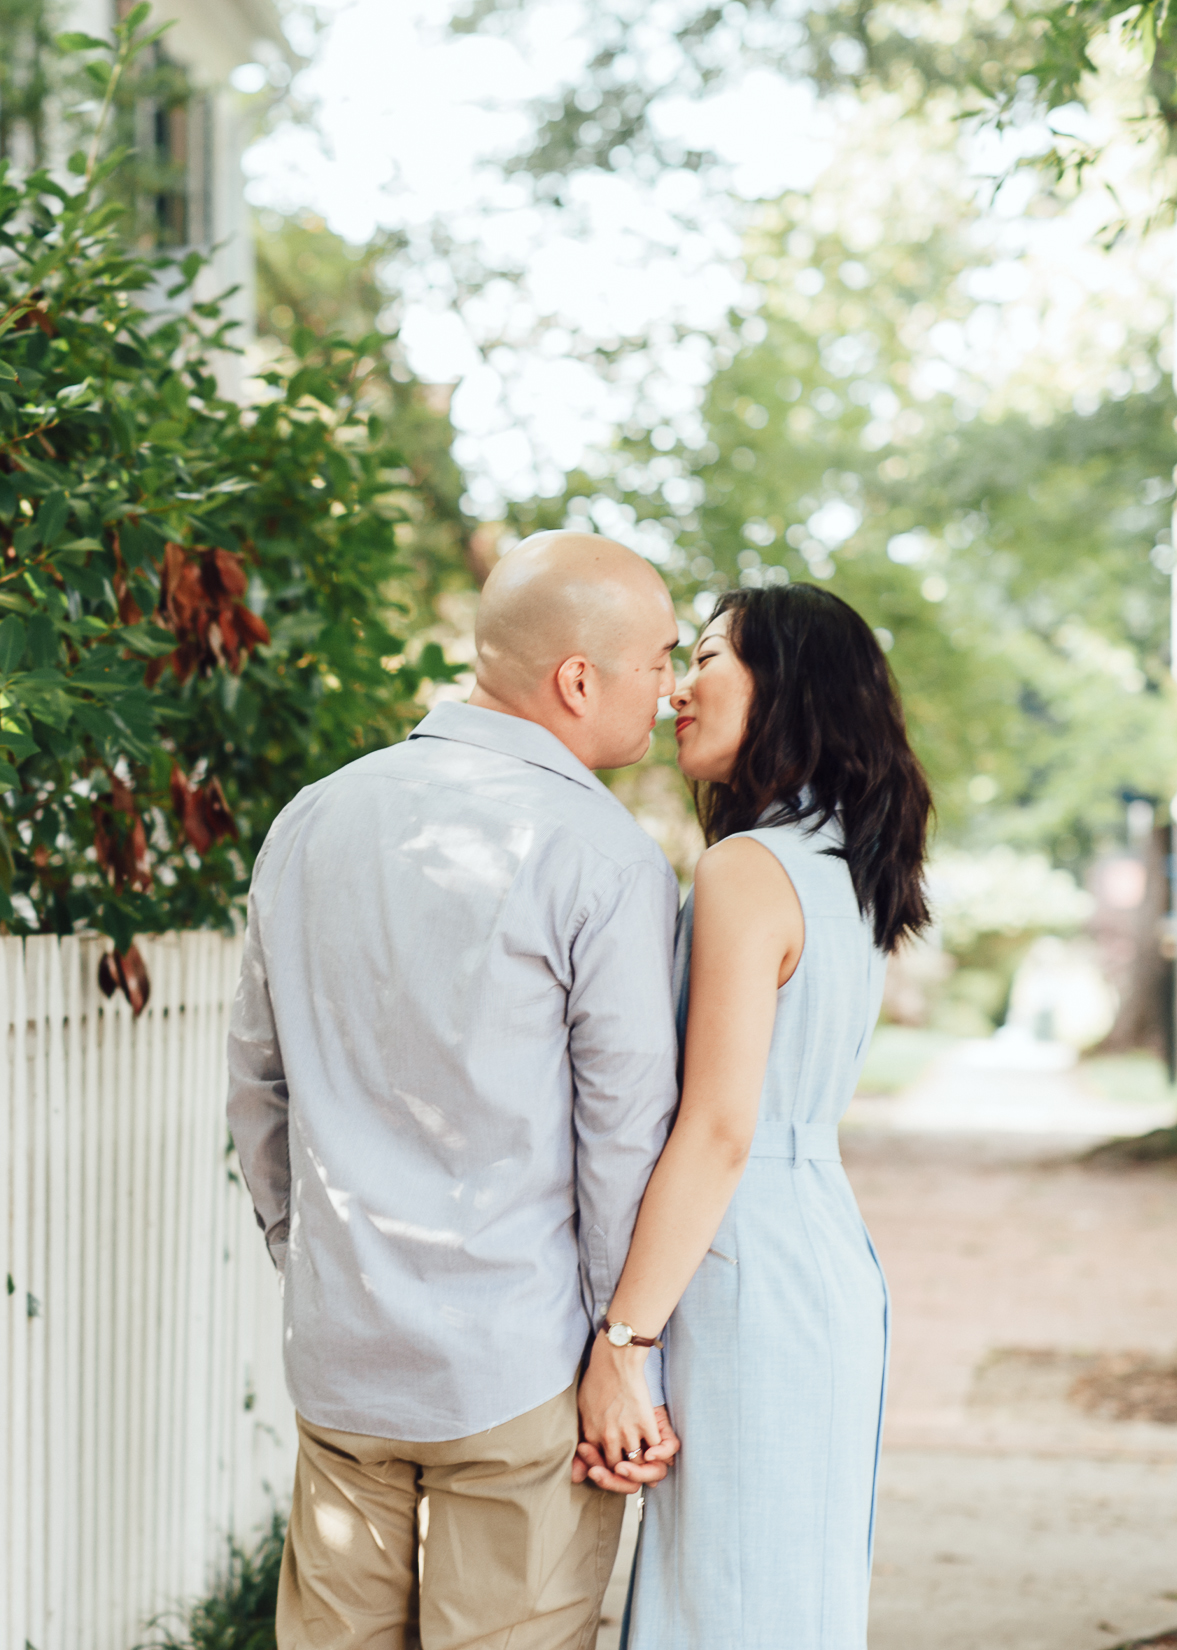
653,1374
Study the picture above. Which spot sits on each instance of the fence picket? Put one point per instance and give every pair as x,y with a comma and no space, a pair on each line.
22,1288
51,1036
74,1159
126,1453
35,959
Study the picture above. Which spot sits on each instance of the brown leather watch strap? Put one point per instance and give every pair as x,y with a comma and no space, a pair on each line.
634,1340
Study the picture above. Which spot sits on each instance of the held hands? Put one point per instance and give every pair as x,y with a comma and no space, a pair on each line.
631,1476
616,1418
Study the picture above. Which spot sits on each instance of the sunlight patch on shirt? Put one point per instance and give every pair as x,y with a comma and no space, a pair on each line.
463,855
414,1234
431,1118
338,1197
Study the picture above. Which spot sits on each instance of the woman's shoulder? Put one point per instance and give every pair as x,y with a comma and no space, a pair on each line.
812,857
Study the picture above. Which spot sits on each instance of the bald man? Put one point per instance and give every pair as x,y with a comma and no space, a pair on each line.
452,1068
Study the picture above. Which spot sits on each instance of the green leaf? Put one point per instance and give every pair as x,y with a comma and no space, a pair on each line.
165,431
139,544
20,744
12,644
99,72
175,397
73,395
73,41
76,163
97,723
8,374
44,646
136,16
9,778
149,641
7,868
9,498
87,581
78,547
51,518
302,341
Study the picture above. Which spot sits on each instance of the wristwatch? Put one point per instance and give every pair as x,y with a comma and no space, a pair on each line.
620,1334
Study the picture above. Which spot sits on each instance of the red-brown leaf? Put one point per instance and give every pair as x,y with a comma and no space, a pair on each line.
224,573
180,789
122,798
108,979
188,804
228,632
252,630
216,811
103,845
126,972
129,610
35,318
140,876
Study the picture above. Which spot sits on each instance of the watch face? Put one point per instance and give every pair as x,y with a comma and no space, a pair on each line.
619,1335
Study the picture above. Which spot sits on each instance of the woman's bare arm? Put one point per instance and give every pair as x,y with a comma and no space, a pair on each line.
748,935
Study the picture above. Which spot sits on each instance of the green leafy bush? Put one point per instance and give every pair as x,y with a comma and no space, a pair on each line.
239,1612
202,603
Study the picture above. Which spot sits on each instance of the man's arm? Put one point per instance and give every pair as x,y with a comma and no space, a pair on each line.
258,1100
622,1045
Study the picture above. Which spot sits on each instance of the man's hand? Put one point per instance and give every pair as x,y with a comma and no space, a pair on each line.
630,1476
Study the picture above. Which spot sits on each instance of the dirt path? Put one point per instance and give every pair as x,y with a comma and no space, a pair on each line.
1007,1515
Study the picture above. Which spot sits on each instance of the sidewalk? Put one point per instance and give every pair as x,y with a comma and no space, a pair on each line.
1010,1519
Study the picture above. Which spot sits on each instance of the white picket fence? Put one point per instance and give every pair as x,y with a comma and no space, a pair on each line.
143,1417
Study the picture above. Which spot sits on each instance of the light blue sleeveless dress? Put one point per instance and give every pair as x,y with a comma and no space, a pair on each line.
775,1362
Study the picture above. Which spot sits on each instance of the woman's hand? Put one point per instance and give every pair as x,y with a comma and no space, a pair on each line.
616,1415
631,1476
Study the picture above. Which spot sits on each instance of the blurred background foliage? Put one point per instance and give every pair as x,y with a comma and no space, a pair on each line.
1012,551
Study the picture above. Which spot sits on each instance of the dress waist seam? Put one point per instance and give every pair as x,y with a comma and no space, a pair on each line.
797,1142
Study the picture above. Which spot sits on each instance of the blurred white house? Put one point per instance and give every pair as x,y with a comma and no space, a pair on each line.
200,140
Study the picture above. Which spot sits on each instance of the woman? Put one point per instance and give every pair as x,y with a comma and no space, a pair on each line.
791,731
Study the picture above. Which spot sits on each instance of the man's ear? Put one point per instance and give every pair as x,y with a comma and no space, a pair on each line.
573,686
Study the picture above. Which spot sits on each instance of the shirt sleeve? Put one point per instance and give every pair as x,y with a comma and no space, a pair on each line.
259,1103
623,1052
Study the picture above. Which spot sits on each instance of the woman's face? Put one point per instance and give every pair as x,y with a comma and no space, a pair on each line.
712,703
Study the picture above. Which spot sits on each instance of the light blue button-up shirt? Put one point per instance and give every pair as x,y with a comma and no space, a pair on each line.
452,1068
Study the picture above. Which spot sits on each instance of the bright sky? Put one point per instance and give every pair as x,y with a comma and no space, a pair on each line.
409,119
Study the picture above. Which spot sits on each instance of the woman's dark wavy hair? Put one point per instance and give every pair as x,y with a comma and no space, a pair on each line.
826,737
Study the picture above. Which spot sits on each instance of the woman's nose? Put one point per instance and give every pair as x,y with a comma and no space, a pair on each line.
681,695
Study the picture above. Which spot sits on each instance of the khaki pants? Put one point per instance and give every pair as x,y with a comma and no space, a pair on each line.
516,1556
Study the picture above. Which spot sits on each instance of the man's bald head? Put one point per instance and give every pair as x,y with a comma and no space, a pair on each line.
559,595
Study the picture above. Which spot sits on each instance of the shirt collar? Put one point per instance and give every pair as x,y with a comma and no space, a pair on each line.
494,730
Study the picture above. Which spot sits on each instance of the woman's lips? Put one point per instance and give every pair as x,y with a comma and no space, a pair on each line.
681,725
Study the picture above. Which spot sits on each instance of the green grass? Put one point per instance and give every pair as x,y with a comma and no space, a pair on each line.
239,1613
899,1056
1133,1077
